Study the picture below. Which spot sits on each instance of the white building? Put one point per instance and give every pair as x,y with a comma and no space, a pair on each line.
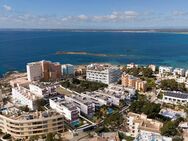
175,97
152,67
69,110
132,65
22,96
111,95
137,122
179,72
163,70
186,73
34,71
67,69
145,135
43,89
84,104
103,73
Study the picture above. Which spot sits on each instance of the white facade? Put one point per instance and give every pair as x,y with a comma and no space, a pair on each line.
152,67
151,136
132,65
83,104
102,73
179,71
186,74
67,69
175,98
165,70
110,95
34,71
69,110
42,90
23,96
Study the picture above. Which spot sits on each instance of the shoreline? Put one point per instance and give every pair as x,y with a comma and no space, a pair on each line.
8,73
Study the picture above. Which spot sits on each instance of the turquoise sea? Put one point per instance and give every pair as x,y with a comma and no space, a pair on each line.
19,47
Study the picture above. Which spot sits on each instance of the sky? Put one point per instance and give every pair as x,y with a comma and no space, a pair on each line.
95,14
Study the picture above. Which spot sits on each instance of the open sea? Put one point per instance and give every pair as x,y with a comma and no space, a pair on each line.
19,47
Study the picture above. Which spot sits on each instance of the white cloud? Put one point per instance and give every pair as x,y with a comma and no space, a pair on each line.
7,7
113,19
82,17
180,13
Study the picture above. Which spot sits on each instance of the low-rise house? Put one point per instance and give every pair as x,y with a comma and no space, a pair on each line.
151,136
152,67
132,65
137,122
186,73
172,114
175,97
179,72
109,136
164,70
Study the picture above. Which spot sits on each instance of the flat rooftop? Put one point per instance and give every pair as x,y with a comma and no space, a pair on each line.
60,100
176,94
81,99
100,67
45,84
17,114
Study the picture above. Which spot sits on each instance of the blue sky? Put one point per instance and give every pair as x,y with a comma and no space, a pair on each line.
114,14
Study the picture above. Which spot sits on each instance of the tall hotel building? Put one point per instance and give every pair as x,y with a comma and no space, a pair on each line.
43,70
103,73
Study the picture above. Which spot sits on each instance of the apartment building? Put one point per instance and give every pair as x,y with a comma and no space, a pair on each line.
34,71
43,70
175,97
103,73
133,82
67,69
68,109
25,125
179,72
23,96
138,122
44,89
164,70
112,95
84,104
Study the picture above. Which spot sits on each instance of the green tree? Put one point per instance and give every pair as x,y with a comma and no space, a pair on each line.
169,129
147,72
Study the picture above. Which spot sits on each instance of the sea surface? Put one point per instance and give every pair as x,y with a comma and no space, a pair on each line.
19,47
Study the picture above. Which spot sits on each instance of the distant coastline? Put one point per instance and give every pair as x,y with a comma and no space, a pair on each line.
139,30
88,53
